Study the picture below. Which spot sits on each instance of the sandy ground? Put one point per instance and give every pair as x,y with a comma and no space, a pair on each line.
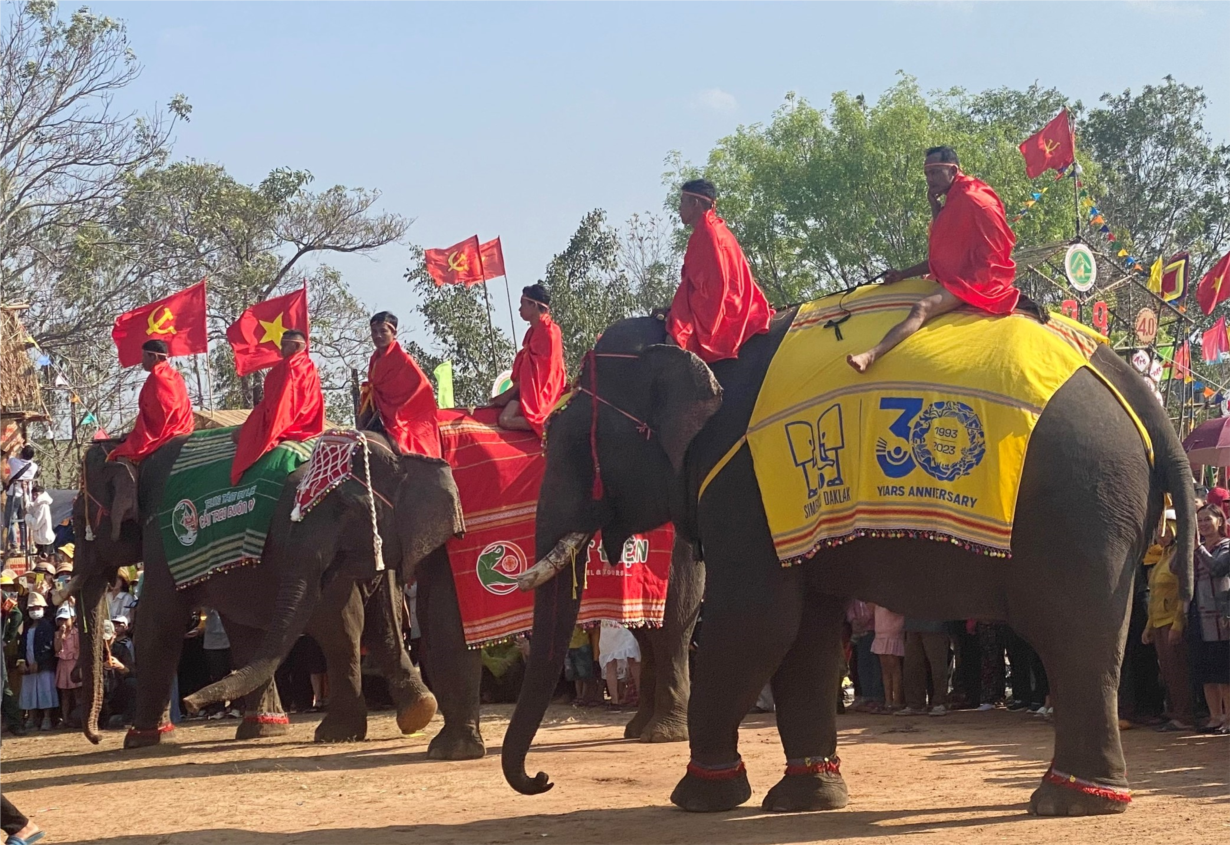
963,778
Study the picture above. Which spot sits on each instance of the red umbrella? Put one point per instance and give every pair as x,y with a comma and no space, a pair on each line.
1209,444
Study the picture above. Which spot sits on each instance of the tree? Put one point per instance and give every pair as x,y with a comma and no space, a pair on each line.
822,200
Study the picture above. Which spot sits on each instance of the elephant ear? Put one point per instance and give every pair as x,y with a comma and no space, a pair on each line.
428,509
683,396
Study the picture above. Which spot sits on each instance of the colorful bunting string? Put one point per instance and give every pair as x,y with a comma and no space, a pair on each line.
1097,221
1034,196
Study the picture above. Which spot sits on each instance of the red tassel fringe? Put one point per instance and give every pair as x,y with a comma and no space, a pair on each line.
161,729
268,719
813,766
716,774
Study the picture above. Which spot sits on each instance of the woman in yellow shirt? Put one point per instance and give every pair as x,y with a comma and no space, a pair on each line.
1165,629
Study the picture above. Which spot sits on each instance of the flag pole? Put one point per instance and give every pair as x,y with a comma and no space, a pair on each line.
1076,188
512,325
482,274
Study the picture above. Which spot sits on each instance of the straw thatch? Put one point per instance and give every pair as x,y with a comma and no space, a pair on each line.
19,390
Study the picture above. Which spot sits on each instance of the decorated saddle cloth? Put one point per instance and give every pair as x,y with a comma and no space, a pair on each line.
930,442
498,473
209,525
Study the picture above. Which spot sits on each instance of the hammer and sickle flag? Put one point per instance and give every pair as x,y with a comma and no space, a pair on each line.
178,321
1052,147
459,264
1214,288
256,337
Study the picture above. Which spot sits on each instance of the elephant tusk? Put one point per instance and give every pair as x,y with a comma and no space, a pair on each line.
564,553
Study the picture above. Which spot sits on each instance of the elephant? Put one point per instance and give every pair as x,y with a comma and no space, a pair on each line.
455,670
1088,501
355,603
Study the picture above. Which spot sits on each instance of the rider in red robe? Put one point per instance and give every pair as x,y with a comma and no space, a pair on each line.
538,373
397,396
969,253
718,304
293,407
164,410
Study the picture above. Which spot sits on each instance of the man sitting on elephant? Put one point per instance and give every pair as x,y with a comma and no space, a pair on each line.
293,407
397,397
164,409
538,372
718,304
970,253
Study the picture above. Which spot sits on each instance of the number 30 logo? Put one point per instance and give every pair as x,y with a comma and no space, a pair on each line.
946,440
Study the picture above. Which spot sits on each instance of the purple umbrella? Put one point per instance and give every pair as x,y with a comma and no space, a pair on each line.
1209,443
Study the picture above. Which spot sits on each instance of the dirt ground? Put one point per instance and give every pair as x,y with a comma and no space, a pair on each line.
962,778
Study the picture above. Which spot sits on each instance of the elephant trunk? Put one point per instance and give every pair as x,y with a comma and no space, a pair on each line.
295,603
93,604
555,614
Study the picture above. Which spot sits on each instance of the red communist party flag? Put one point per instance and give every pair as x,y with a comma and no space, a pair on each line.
1214,342
256,337
492,253
1052,147
460,264
1215,286
178,321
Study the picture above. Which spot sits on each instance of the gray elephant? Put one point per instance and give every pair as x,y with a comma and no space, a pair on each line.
356,604
1087,502
454,669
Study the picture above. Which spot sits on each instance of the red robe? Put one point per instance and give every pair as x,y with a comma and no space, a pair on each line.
538,372
402,395
164,411
971,247
718,305
293,408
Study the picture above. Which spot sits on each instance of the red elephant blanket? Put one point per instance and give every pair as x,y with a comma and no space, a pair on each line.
498,473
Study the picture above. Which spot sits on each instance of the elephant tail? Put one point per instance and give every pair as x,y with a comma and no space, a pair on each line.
556,604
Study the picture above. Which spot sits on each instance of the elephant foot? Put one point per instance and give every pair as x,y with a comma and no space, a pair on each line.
263,724
809,784
416,716
337,728
636,728
1061,794
144,738
712,790
669,729
457,745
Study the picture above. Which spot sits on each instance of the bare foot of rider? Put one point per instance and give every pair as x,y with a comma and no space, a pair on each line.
861,361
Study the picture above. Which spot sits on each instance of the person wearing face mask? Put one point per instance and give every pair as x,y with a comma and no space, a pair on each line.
68,649
12,618
38,689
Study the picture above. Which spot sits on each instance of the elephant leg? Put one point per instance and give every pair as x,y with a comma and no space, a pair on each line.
157,642
649,684
455,671
337,627
1088,775
671,684
262,708
804,688
383,636
752,614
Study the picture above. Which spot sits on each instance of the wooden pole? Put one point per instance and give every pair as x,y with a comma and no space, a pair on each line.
487,298
512,324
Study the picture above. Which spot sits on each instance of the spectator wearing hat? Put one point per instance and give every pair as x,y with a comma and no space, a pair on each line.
120,600
121,682
22,472
1211,611
11,627
68,649
38,689
1165,627
38,521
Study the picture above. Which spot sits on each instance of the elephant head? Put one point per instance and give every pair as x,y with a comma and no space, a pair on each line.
109,537
638,405
416,510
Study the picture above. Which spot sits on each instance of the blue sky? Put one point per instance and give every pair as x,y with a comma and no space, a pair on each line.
516,119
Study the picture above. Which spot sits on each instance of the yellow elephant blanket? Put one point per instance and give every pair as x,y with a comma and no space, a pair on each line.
930,442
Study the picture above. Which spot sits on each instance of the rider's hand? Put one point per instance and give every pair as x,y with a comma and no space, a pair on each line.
891,276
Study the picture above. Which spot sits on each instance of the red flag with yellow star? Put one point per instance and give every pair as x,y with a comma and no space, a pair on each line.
178,321
256,337
460,264
1215,286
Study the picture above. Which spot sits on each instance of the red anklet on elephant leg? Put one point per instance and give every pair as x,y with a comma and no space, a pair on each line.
148,732
723,773
814,766
267,719
1088,787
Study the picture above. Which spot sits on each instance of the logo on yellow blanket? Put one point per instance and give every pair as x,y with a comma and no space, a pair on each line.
816,451
498,567
945,440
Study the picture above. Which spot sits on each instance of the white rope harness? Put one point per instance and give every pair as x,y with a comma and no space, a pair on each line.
331,464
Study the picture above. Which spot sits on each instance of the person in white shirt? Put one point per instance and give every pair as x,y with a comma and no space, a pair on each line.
22,470
38,521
